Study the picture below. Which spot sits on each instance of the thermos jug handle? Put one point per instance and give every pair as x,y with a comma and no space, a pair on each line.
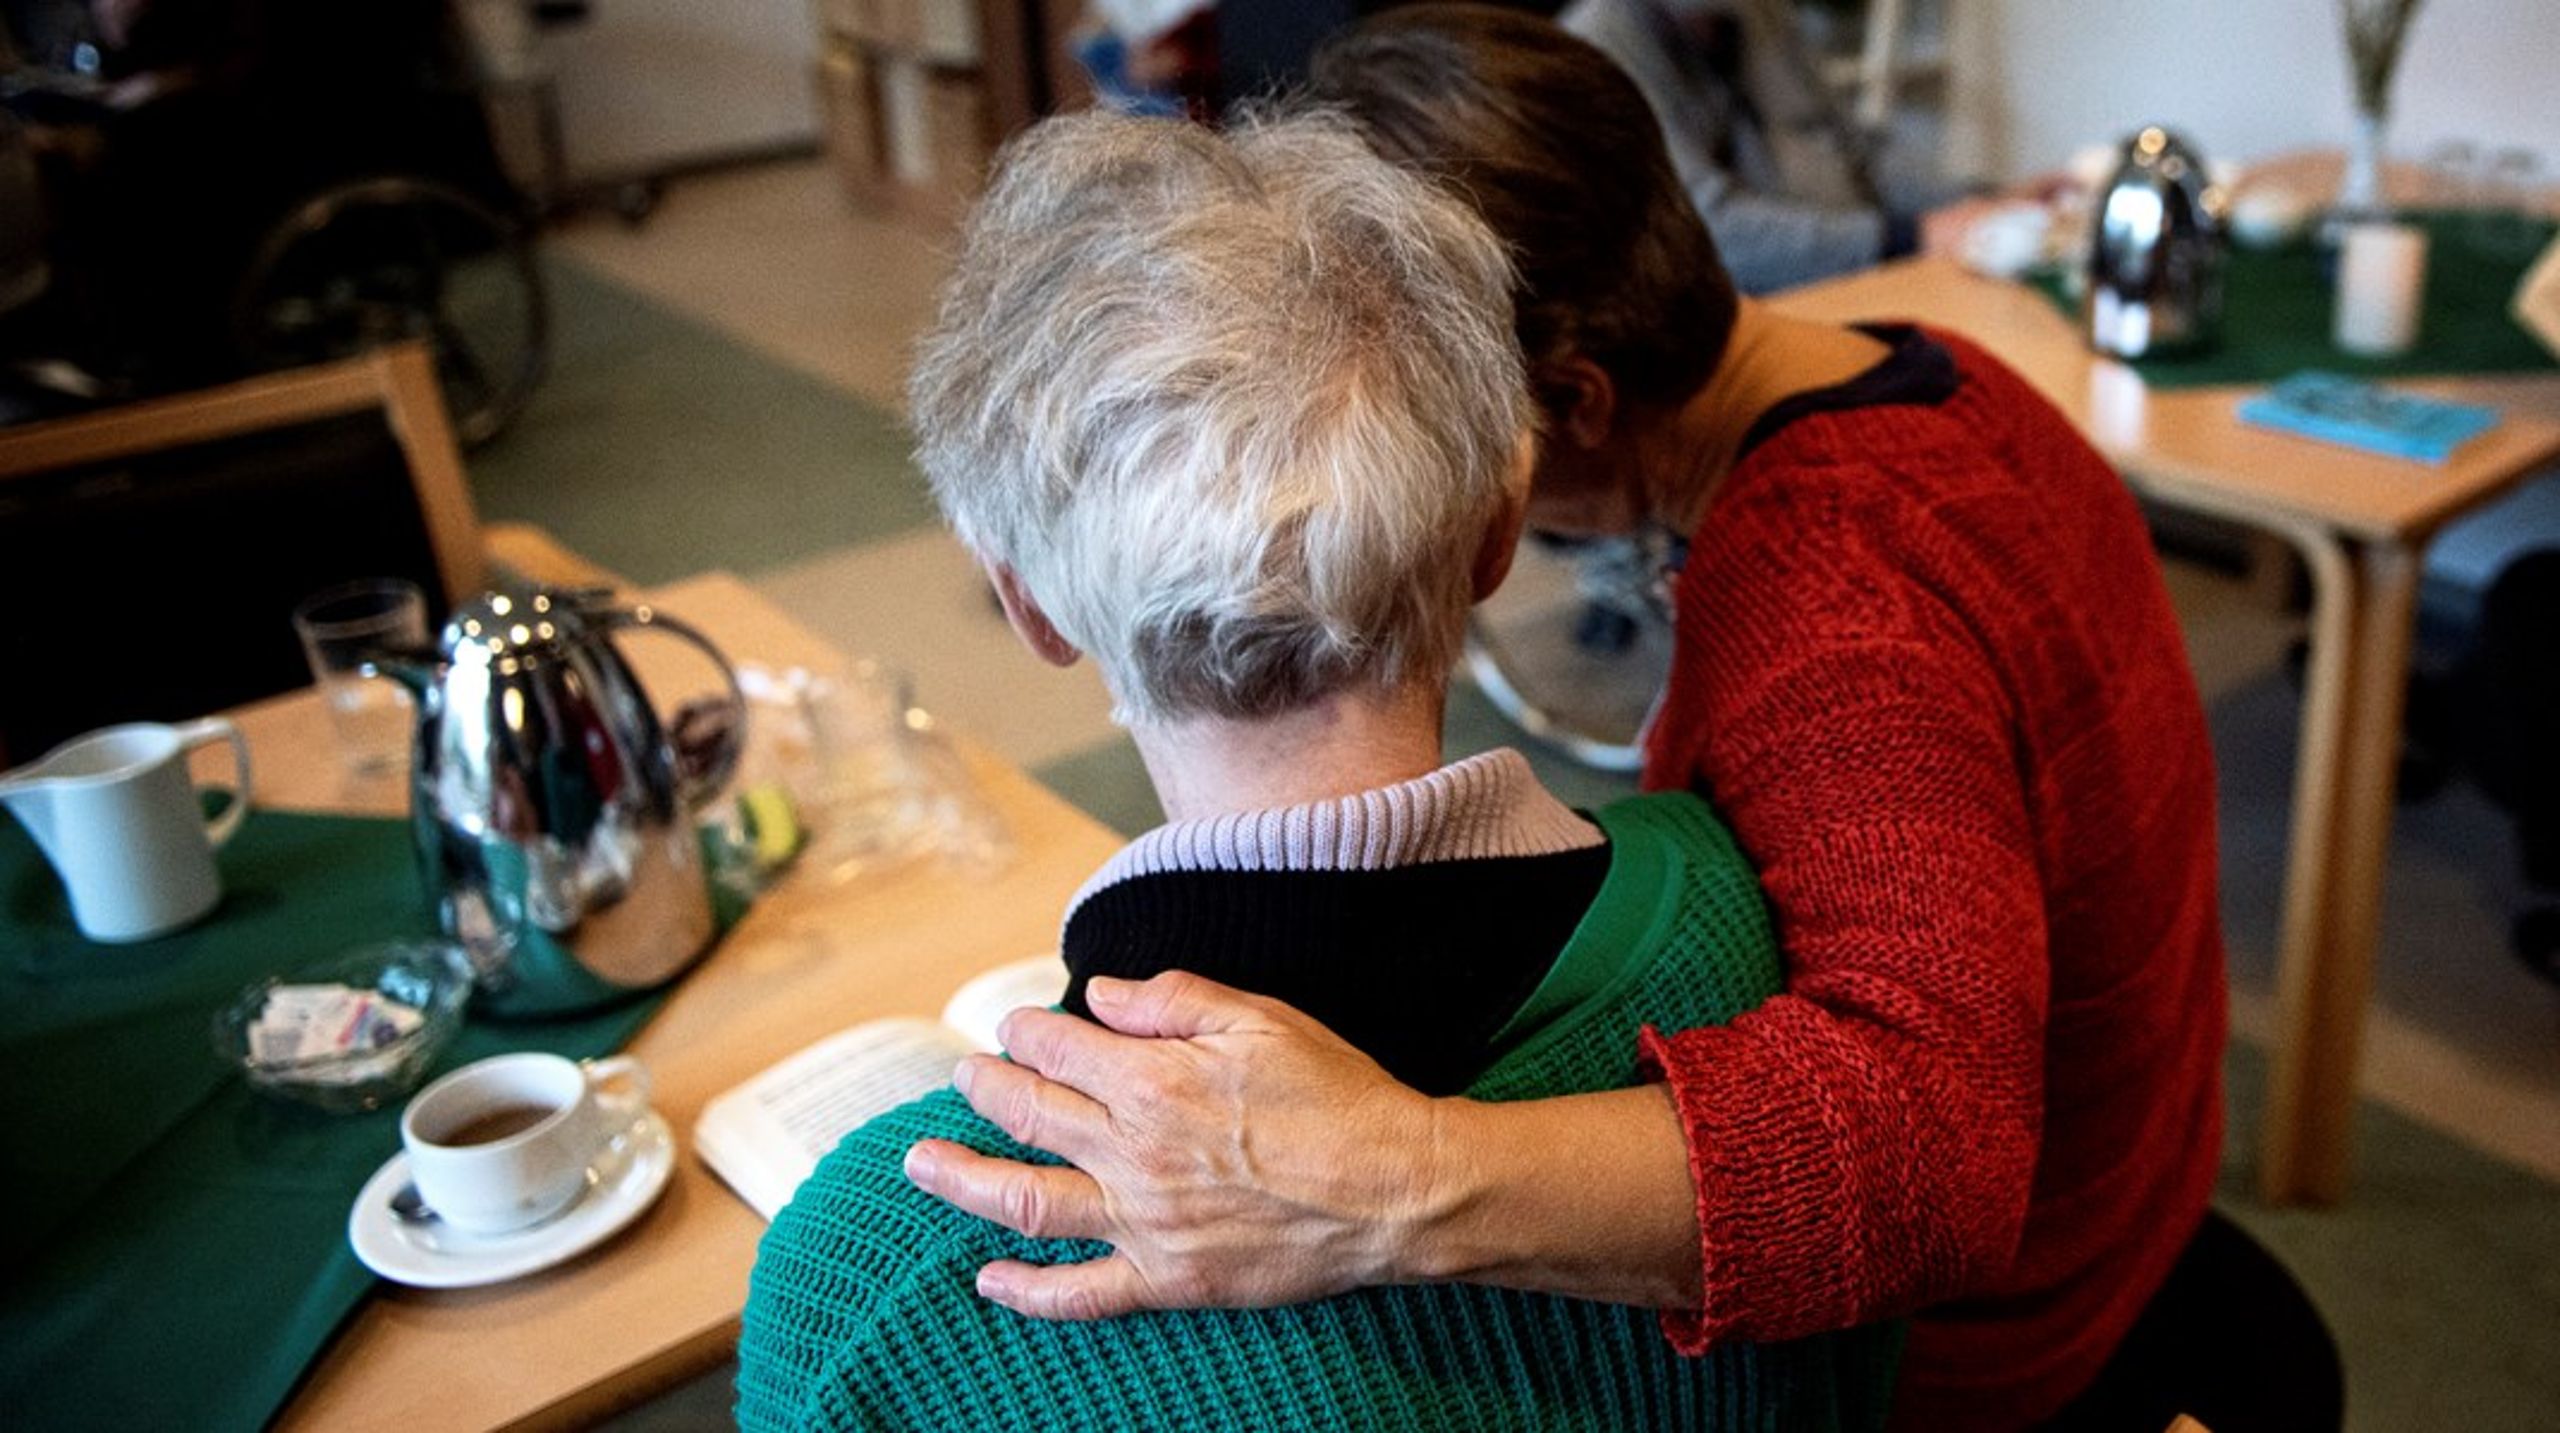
724,762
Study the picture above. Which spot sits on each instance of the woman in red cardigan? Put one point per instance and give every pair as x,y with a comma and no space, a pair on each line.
1928,670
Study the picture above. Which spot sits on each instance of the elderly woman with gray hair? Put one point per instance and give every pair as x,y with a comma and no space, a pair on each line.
1241,418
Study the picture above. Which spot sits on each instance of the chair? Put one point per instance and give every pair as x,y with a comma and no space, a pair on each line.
2230,1342
151,555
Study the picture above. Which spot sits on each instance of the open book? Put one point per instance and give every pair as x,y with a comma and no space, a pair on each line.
765,1136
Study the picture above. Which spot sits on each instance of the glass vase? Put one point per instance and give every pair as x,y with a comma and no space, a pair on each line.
2360,192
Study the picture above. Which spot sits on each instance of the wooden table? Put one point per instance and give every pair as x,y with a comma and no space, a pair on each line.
660,1302
2361,524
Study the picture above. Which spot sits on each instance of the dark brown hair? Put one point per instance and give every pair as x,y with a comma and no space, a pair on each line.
1556,148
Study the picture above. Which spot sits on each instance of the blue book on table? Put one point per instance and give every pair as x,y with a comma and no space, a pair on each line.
2348,411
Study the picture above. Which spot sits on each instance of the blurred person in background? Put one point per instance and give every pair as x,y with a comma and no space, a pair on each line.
1151,57
1757,153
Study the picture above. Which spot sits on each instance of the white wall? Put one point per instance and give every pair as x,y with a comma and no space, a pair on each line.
2039,78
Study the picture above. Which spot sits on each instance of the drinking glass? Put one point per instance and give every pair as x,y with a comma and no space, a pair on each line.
875,795
341,628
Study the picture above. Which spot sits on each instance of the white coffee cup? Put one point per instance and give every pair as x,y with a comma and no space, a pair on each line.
509,1141
116,814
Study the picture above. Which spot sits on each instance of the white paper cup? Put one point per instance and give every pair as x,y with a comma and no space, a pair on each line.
2382,283
497,1185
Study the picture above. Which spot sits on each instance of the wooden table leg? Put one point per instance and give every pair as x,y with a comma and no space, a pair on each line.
2365,604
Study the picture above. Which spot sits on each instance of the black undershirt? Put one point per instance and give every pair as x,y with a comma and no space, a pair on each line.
1418,966
1918,371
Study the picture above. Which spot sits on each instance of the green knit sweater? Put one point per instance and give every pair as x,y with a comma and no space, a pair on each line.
862,1311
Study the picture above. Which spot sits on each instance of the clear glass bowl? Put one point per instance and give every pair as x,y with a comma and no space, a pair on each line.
383,1011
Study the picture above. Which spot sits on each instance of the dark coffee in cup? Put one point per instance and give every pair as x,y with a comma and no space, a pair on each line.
497,1124
508,1142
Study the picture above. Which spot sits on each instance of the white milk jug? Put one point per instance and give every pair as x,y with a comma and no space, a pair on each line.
118,816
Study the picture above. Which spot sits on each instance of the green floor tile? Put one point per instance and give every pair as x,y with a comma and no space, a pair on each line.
658,447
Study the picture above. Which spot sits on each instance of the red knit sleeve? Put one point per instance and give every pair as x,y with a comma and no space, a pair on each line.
1865,1143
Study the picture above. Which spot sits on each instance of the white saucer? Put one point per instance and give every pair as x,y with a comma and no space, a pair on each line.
435,1255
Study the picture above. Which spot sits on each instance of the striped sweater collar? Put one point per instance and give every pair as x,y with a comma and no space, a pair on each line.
1488,805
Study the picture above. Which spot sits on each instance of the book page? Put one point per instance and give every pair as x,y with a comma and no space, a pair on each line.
765,1136
976,1007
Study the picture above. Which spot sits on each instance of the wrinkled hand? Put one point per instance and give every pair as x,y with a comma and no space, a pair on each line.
1232,1151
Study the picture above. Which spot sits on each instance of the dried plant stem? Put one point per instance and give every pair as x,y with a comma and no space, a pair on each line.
2376,30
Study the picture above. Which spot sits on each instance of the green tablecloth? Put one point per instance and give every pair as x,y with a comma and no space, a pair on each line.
2277,306
174,1253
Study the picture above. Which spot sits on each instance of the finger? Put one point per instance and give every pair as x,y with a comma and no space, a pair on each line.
1076,1053
1039,1201
1176,1005
1032,1108
1097,1289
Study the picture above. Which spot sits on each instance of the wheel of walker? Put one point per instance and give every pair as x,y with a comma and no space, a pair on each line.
392,260
1576,646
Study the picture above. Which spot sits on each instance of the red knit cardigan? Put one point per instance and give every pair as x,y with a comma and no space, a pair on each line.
1929,673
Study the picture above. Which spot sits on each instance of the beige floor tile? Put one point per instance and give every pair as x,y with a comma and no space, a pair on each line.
774,256
919,603
2478,1095
2231,640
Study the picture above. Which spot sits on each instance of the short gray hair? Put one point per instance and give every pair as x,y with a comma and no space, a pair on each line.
1238,409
